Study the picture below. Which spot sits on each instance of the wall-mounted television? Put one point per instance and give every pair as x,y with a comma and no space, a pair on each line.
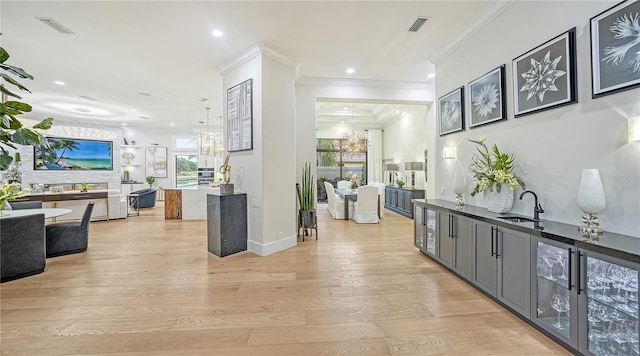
74,154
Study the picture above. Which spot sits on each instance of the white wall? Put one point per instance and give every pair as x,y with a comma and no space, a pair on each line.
309,89
554,146
405,140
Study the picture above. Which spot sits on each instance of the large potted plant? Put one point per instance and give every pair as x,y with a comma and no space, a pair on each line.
12,131
306,197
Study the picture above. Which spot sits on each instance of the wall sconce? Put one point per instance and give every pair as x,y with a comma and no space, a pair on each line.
450,152
413,166
591,201
633,128
391,167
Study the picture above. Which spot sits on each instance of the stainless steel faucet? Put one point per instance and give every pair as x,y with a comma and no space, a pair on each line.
537,208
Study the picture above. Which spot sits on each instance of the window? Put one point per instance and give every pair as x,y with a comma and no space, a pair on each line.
186,171
334,164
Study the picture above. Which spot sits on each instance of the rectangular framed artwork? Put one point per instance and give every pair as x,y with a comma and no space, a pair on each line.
488,98
240,117
451,111
615,49
156,162
545,77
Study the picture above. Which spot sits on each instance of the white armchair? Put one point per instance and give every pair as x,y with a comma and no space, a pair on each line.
344,184
335,202
365,210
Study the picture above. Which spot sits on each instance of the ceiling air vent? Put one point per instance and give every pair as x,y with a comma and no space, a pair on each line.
55,25
417,24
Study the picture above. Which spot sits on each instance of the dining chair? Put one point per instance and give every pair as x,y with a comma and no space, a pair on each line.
23,252
335,202
344,184
365,209
19,205
69,237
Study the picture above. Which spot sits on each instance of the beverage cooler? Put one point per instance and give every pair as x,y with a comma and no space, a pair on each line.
424,229
585,299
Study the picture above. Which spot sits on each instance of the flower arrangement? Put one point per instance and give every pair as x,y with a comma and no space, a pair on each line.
9,191
492,168
355,181
84,186
399,181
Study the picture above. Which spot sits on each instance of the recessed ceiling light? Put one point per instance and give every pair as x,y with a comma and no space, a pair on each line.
144,94
432,75
350,70
60,82
342,122
124,124
217,33
172,124
133,110
345,108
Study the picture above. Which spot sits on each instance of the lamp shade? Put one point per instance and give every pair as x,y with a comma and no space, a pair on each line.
459,183
590,192
413,166
391,167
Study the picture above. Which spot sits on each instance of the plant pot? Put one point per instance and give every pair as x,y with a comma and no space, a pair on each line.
308,218
499,202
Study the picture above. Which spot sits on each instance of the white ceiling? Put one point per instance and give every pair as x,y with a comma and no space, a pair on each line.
165,48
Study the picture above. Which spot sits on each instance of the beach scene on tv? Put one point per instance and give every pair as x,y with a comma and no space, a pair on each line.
64,153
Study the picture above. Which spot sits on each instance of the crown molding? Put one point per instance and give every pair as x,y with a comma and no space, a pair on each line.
369,83
250,53
493,10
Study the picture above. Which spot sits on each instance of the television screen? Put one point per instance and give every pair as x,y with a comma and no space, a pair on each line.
68,153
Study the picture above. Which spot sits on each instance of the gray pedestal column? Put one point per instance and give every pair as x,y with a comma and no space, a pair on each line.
226,224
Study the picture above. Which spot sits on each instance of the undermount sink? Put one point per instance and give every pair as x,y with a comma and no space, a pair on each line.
517,218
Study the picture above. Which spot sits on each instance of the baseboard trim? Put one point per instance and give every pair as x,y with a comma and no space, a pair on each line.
272,247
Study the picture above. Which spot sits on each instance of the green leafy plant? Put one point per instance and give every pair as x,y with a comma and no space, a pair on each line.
492,168
12,131
307,193
399,181
9,191
150,180
84,186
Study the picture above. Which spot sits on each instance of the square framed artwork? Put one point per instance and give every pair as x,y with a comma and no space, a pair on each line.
240,117
487,96
545,77
156,162
615,50
451,111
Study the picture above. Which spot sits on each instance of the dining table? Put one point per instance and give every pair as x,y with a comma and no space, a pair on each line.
49,213
351,194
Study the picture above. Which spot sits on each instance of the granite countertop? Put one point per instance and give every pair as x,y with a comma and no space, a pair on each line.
612,244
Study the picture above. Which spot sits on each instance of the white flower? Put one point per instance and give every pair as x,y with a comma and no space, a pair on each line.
486,100
450,114
623,28
541,77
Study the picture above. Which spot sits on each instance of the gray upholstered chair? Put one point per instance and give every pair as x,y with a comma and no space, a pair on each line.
26,205
69,237
23,247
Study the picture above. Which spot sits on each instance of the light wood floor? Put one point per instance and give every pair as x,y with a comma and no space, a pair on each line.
147,286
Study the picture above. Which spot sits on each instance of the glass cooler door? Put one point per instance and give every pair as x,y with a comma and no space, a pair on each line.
430,240
555,299
611,307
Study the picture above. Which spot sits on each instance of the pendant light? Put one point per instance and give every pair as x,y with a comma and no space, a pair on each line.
206,142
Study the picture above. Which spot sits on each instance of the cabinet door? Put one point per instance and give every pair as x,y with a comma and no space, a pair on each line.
554,300
485,263
445,240
514,278
388,192
463,238
408,206
400,199
431,232
607,305
419,223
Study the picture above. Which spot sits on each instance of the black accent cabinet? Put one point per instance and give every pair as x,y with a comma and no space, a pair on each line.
226,224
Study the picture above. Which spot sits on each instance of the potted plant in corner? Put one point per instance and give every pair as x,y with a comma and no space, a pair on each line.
150,180
306,197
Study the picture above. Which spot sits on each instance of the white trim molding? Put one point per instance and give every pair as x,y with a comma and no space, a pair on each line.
480,21
272,247
250,53
369,83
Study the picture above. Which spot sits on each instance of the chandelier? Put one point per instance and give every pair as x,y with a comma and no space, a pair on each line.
206,142
354,142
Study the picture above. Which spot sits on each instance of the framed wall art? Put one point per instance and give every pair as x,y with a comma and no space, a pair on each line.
240,117
156,162
487,95
545,77
615,49
451,111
